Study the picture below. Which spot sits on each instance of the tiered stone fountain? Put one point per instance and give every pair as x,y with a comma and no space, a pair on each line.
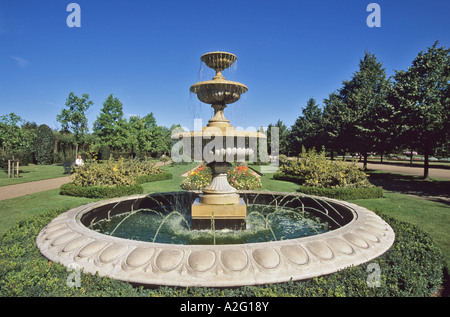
220,202
356,234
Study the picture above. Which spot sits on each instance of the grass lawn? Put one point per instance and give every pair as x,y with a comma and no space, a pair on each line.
32,173
431,217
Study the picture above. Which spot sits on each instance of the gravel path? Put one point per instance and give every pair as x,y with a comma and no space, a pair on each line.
408,170
17,190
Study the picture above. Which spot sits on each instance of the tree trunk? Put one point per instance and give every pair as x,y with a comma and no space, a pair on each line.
381,157
76,151
426,166
365,161
410,157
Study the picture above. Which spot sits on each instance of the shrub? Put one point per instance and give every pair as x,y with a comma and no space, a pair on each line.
153,177
112,178
100,191
343,193
240,177
112,173
313,169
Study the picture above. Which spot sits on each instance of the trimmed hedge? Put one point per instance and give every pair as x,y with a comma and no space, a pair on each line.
153,177
413,267
342,193
100,191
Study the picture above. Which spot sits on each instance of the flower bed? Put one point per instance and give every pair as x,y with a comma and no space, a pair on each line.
112,178
240,177
321,177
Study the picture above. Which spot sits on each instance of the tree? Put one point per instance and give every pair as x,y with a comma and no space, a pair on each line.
73,118
44,145
332,124
307,129
280,146
110,126
421,96
365,98
145,135
13,138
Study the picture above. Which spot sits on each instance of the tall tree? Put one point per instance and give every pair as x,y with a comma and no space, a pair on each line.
421,96
44,145
364,97
333,120
110,126
279,143
307,129
73,117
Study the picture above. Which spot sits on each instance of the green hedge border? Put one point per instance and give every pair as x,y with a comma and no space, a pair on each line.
343,193
112,191
153,178
412,267
100,191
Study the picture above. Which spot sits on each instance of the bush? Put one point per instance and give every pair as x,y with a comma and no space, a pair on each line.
313,169
112,178
153,178
112,173
100,191
413,267
240,177
343,193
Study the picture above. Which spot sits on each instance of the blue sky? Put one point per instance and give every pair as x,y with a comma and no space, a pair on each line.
147,53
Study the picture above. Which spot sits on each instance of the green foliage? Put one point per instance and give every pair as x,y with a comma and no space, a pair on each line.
112,178
307,129
240,177
421,98
110,126
343,193
43,145
16,139
153,177
413,267
100,191
112,172
313,169
73,117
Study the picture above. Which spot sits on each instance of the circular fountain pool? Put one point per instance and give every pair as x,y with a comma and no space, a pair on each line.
147,240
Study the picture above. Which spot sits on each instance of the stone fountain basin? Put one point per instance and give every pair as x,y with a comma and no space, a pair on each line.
68,240
218,91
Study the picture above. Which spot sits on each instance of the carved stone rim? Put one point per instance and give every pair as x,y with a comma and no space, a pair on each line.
67,241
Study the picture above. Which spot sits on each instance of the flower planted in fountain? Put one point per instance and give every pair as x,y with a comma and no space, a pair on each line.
219,202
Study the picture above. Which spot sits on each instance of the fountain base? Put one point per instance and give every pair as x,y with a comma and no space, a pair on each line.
231,216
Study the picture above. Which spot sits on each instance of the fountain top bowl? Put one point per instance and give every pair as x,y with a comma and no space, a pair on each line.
218,60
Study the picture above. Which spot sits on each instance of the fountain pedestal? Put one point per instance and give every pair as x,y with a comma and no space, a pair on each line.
220,206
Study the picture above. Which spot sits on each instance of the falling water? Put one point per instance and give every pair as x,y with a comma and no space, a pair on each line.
265,222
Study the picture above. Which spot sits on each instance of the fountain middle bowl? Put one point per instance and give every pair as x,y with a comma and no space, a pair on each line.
359,236
218,91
